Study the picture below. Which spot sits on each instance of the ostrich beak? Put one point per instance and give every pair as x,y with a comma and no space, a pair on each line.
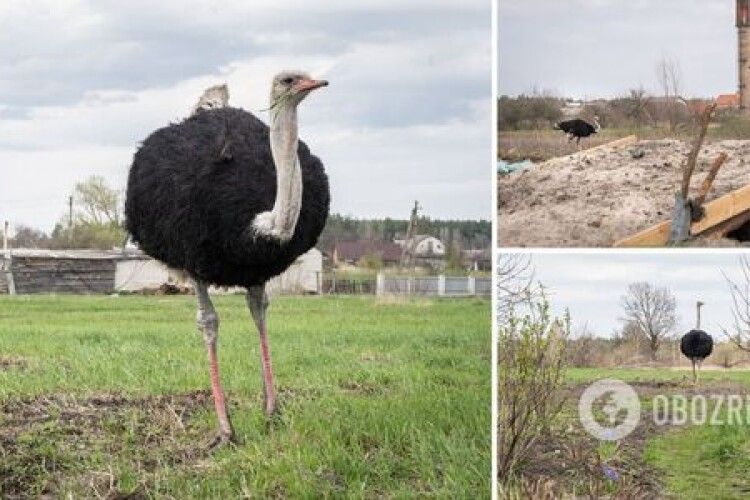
307,85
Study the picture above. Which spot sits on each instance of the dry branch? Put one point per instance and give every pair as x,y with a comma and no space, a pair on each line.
687,171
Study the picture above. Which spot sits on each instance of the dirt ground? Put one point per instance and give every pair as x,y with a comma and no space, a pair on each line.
567,459
593,199
45,440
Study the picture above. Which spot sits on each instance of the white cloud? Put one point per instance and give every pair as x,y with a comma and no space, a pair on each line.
406,116
591,284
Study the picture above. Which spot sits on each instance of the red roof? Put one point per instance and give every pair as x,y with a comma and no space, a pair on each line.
352,251
728,101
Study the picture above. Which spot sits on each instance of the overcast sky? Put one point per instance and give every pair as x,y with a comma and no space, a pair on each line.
406,116
591,284
602,48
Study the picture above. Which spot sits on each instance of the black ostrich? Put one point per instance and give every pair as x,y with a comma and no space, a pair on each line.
696,344
233,203
578,129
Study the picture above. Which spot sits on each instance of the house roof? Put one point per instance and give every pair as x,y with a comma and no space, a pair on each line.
77,254
728,100
355,250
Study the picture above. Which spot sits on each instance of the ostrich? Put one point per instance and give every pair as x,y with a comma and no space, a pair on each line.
235,220
696,344
577,128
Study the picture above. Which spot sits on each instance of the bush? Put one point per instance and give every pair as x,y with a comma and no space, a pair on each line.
528,112
530,376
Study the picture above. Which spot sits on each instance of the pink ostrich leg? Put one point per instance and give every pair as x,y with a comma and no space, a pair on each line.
208,323
257,302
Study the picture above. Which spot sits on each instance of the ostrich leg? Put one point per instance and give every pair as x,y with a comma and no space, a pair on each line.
208,324
257,302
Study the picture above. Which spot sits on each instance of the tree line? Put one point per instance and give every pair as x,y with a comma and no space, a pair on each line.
96,222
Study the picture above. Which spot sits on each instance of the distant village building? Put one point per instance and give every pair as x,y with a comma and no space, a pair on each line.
424,250
728,101
352,252
477,260
99,272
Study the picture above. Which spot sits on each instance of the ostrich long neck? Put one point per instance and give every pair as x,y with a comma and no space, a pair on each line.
698,321
284,140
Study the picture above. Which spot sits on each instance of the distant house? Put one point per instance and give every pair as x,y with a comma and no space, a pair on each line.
425,250
477,260
102,272
350,252
424,245
728,101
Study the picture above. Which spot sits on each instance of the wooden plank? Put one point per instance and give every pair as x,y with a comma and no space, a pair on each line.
722,209
709,180
655,236
717,211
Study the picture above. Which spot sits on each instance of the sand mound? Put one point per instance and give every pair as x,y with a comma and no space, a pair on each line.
596,198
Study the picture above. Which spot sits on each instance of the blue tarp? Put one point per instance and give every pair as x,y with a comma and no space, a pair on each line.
503,167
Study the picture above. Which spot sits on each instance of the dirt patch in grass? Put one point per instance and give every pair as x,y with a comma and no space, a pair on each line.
8,363
567,460
55,444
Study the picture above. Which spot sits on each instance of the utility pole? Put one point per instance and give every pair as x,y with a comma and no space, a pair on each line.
411,232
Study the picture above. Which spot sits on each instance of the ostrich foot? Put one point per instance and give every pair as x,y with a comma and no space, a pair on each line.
221,440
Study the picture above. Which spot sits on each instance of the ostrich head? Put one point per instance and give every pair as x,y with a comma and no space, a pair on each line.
597,125
289,88
698,306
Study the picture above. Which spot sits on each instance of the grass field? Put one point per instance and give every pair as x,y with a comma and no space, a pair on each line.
541,145
689,462
107,396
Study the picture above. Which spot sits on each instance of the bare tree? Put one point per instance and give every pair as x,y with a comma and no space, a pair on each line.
29,237
515,275
97,202
653,309
740,290
637,106
669,76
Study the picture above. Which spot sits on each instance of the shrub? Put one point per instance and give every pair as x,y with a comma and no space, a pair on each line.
530,376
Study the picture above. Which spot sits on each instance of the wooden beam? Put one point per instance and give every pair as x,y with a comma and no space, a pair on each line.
718,211
709,180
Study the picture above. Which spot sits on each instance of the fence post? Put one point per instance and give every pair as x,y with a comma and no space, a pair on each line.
379,284
472,285
441,285
8,261
409,286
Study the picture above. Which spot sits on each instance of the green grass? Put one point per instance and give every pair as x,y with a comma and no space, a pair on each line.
583,375
380,398
542,145
706,462
694,462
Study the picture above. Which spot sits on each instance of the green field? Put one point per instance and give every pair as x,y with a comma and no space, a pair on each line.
107,396
690,462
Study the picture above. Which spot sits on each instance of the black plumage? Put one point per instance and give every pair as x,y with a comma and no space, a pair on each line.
696,345
191,206
577,128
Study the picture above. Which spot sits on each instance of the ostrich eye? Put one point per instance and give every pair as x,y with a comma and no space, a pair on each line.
288,80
